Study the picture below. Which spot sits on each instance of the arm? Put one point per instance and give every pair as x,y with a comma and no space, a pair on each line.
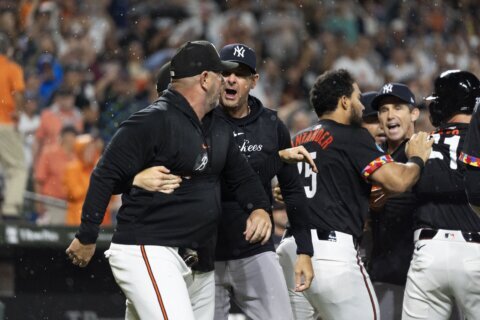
249,192
472,186
397,177
298,215
295,200
130,149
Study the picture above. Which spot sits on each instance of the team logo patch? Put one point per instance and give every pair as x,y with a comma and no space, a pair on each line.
388,88
470,160
239,51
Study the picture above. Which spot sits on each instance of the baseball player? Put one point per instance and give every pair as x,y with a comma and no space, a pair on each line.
247,273
370,118
471,149
347,159
445,264
160,236
392,218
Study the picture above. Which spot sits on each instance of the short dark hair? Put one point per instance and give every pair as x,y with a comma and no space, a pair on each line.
328,88
68,129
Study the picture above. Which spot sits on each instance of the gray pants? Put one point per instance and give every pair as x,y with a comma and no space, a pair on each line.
390,300
256,284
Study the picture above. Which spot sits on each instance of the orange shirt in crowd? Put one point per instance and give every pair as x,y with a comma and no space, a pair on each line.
11,81
77,179
50,169
52,120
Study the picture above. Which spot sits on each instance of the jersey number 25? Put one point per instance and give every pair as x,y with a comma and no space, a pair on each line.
311,189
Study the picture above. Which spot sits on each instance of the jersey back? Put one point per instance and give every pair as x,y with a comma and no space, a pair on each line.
440,190
345,157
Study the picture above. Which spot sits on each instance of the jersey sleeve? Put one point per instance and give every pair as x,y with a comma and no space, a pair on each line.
127,154
366,156
295,199
471,149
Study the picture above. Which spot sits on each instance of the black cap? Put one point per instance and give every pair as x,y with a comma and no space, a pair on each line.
397,90
240,53
366,99
163,78
194,57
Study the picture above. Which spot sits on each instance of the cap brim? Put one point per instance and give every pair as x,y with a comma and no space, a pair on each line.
377,99
227,65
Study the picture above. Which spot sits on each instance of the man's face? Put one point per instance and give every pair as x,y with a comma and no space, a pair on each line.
356,106
215,89
238,83
372,124
396,119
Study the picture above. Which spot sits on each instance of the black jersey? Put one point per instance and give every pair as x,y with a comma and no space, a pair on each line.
392,234
259,136
169,133
441,190
471,148
345,156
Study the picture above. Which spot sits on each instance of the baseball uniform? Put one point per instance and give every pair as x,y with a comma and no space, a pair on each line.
445,263
246,273
345,156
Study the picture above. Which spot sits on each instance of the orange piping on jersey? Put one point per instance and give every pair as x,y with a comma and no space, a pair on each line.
152,278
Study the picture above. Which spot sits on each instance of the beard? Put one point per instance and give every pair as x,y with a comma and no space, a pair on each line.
355,119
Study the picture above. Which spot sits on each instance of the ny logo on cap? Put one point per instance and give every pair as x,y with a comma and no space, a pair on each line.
239,51
387,88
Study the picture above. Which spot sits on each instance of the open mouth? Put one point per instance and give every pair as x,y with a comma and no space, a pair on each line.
230,93
393,126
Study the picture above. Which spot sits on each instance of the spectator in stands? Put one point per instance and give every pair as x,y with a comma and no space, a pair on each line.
49,176
77,177
12,158
61,113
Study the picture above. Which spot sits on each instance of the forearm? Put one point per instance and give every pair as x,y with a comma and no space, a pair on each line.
297,208
397,177
96,202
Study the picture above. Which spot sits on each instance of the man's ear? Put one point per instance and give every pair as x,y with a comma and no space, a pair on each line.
204,79
414,114
255,79
345,102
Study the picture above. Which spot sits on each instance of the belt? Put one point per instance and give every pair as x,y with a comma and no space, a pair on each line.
323,235
427,234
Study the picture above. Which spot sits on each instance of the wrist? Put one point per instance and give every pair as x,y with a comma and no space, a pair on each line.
418,161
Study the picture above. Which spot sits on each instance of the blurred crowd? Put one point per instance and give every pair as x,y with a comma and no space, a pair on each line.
89,64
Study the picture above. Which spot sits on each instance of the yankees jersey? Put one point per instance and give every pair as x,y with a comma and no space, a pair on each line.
259,136
345,156
440,189
392,233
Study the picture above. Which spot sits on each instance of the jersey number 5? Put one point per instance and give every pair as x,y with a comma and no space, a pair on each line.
452,142
311,189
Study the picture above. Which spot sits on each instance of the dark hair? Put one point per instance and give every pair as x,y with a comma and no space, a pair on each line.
328,88
68,129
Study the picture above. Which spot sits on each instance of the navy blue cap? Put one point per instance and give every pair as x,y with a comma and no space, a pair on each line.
194,57
366,99
397,90
240,53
